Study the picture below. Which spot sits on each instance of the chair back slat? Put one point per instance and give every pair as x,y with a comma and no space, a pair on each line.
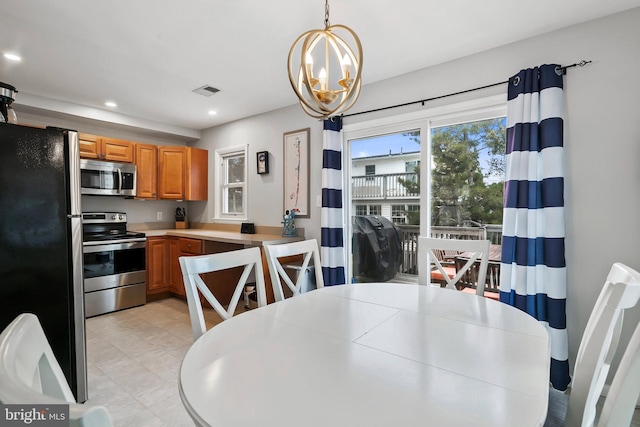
473,265
194,266
308,249
599,343
622,397
31,374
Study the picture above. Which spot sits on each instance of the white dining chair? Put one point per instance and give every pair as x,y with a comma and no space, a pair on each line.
31,374
428,261
622,397
621,291
193,266
308,249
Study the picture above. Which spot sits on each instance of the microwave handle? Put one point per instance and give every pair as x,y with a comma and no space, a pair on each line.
119,181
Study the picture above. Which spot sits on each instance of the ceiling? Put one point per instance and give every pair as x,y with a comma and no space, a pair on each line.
148,55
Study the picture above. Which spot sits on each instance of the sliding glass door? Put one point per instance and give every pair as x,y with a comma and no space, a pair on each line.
385,203
439,175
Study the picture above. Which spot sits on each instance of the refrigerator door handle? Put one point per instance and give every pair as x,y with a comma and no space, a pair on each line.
78,308
77,260
74,174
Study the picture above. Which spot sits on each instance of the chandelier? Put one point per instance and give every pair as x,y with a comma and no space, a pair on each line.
336,86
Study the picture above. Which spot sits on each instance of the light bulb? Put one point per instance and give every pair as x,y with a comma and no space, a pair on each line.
346,64
308,63
323,79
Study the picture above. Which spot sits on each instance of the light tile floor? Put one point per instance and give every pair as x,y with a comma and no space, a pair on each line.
133,359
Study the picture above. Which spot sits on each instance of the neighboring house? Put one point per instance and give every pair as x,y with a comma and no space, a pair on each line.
376,187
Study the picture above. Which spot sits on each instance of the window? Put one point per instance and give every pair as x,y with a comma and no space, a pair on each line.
413,214
361,209
397,214
369,170
454,181
410,167
231,187
467,172
375,210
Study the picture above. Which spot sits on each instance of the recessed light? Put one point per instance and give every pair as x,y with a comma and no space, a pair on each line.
110,104
213,113
12,57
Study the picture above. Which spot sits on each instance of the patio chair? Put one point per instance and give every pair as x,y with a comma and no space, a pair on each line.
447,261
308,249
477,251
621,291
31,375
193,266
469,280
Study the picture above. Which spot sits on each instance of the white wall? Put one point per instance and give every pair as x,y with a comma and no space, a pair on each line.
265,133
602,139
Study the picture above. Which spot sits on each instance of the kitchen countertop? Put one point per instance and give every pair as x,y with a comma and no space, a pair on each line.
223,236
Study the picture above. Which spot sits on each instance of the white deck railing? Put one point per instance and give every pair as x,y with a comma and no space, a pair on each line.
409,240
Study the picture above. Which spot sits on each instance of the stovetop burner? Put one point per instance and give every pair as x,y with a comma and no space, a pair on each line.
107,226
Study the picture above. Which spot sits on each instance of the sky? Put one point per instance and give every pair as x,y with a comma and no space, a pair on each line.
382,144
399,143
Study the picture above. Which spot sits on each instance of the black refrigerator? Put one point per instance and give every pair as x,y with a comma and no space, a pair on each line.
41,268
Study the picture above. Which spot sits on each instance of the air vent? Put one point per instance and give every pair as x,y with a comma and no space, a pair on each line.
206,90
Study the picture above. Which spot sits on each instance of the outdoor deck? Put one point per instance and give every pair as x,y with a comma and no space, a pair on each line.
409,240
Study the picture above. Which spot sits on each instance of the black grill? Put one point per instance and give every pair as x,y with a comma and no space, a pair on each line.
377,248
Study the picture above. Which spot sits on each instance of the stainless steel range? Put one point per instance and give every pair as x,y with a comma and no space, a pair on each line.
114,263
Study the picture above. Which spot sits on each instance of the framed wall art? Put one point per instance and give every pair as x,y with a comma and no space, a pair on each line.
262,159
296,172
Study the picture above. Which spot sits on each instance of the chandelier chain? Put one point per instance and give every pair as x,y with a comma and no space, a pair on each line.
326,14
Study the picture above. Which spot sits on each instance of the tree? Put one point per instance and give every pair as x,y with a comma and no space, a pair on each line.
458,189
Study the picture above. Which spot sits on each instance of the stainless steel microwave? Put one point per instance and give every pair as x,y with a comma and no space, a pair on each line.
107,178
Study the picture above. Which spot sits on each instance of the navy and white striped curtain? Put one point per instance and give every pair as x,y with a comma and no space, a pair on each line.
332,252
533,270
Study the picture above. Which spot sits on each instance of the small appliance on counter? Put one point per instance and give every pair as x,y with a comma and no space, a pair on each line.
7,96
181,218
114,263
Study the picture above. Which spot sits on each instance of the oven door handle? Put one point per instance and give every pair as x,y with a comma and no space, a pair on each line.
102,247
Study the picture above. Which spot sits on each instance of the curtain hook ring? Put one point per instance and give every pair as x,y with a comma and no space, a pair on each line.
558,70
516,80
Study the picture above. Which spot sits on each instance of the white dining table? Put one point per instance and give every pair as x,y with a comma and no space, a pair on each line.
375,354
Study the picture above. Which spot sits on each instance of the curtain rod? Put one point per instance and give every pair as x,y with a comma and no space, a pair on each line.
422,101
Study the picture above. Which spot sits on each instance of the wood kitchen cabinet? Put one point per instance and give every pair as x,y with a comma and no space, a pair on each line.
100,148
165,275
163,265
176,284
147,171
157,268
182,173
89,146
178,247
